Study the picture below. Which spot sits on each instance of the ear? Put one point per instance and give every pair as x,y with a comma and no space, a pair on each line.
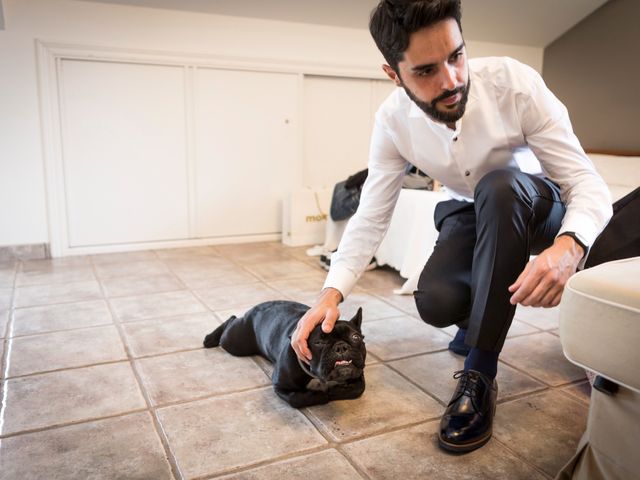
356,321
391,73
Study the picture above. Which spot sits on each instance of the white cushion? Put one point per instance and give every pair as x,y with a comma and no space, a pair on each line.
600,320
620,173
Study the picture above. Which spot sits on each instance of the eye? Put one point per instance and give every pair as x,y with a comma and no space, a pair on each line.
356,338
427,72
455,57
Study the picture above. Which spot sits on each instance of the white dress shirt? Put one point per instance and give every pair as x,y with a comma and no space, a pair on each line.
512,120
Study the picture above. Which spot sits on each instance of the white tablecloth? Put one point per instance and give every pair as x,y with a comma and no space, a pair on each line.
411,235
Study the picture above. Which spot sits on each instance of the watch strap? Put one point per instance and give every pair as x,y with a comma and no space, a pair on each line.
577,239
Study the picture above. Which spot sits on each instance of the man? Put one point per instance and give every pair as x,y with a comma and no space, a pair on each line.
502,144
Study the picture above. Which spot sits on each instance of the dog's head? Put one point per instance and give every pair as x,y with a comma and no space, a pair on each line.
340,355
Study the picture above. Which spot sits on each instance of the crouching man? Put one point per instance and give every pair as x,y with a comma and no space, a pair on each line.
520,184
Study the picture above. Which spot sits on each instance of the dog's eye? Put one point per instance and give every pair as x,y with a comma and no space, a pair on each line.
355,337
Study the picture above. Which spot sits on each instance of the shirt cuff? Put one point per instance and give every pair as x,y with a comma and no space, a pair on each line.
581,224
584,225
342,279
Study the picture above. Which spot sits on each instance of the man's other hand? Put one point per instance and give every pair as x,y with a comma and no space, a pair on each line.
325,311
542,281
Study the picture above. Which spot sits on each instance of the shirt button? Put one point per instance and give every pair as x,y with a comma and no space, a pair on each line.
467,173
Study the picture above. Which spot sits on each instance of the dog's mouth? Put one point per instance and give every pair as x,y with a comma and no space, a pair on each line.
342,363
343,370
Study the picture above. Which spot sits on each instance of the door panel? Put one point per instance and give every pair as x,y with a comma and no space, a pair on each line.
337,128
246,146
123,152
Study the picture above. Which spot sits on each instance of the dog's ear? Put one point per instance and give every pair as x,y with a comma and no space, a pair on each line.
356,321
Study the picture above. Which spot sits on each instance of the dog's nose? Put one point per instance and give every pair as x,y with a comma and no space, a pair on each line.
341,348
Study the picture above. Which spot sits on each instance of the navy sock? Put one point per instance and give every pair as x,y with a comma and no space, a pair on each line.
482,361
457,345
459,338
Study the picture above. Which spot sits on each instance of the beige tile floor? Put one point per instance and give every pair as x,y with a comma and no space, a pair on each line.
103,376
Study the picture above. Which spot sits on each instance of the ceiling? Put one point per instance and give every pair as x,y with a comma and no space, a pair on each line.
534,23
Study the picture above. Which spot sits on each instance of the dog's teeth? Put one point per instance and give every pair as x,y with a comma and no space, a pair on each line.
343,362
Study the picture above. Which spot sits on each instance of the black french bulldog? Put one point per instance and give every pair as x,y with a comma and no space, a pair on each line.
336,369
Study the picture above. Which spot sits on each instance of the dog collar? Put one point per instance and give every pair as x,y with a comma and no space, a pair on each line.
306,370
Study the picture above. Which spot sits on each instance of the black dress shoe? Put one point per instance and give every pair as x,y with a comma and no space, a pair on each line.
467,421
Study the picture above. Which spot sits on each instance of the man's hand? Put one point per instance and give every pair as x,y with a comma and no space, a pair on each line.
542,281
325,311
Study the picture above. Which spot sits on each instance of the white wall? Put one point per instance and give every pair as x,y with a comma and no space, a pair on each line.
23,218
1,15
532,56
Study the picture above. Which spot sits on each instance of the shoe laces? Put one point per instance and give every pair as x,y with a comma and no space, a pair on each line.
469,383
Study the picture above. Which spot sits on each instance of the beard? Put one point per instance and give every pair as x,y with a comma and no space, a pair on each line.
452,114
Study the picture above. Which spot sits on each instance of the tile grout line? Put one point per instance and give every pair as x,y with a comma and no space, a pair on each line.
109,362
373,291
66,369
71,302
157,425
386,431
424,422
522,458
410,356
190,290
5,361
361,471
150,410
384,299
440,402
331,445
48,332
107,300
264,463
375,433
543,387
11,301
194,291
537,393
548,330
563,390
520,370
209,396
72,423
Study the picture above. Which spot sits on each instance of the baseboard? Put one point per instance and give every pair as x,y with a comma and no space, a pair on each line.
37,251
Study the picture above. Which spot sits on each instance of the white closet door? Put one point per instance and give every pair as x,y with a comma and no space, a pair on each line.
380,90
123,152
246,146
337,128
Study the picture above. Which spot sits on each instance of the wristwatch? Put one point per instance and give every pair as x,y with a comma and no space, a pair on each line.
578,238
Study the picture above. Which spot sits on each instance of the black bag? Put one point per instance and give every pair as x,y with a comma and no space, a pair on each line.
346,196
621,237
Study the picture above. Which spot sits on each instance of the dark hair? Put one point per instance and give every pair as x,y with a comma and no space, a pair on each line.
393,21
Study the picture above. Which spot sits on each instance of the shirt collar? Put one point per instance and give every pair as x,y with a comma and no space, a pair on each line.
416,112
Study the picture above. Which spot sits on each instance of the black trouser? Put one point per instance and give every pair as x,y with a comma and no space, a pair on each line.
482,248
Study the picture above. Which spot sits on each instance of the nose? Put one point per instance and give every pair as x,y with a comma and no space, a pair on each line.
341,348
448,77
